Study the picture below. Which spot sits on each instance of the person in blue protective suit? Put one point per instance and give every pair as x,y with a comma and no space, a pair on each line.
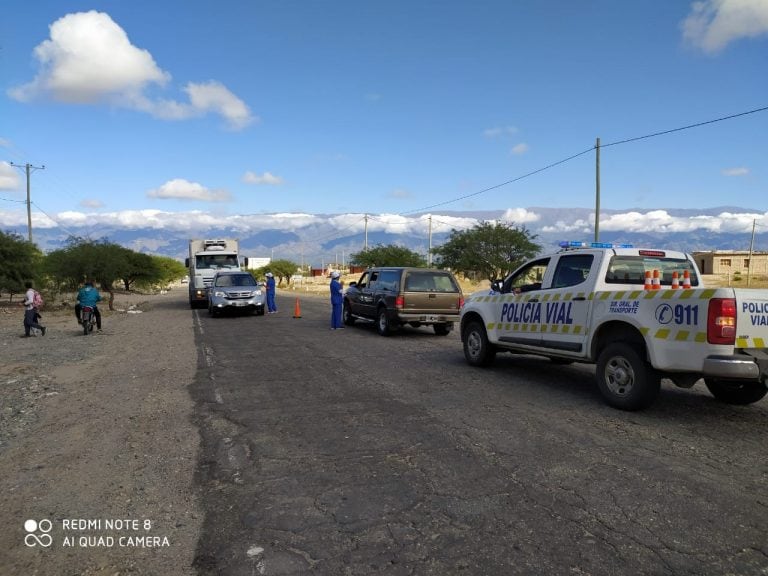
88,295
271,306
337,300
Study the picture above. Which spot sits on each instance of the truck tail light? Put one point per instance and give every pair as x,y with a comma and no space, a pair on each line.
400,302
461,302
721,321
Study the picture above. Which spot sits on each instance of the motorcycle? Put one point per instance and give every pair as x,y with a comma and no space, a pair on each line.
88,319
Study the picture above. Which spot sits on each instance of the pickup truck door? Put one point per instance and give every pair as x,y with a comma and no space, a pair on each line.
517,310
566,303
366,301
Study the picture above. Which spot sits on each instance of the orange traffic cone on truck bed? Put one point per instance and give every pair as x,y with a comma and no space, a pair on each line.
297,309
686,280
648,285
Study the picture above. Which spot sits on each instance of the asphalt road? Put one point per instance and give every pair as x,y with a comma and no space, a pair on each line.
343,452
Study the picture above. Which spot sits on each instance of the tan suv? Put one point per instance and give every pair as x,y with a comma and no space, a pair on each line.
394,296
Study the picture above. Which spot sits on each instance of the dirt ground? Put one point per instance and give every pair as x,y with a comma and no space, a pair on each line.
97,445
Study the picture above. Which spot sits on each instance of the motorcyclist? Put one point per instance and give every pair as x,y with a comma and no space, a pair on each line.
88,295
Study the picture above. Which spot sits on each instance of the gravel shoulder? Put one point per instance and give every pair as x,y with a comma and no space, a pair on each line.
100,428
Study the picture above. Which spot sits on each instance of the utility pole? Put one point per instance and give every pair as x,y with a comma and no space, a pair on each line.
751,246
365,247
28,168
429,254
597,190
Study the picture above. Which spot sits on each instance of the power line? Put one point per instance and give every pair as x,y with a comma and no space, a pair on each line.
664,132
574,156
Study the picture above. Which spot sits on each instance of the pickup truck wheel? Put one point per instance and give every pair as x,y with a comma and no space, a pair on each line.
477,350
625,379
442,329
346,314
383,325
735,392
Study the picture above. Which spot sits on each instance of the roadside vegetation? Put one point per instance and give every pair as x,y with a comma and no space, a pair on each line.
110,265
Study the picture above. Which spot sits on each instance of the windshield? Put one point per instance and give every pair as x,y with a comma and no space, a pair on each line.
216,261
632,269
235,280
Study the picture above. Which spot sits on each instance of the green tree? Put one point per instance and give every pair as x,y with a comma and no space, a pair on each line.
170,269
105,262
389,255
282,269
21,262
487,251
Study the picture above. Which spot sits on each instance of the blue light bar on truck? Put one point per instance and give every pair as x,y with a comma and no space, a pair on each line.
577,244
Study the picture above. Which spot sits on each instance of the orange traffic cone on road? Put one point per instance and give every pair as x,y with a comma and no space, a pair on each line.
675,281
686,280
656,281
648,285
297,309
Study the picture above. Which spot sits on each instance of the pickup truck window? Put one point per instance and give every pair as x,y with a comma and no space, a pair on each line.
631,270
572,270
527,278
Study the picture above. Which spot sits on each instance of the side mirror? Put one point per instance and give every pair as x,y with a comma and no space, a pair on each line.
353,283
496,285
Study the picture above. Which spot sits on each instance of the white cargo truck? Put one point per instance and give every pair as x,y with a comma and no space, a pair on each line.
206,257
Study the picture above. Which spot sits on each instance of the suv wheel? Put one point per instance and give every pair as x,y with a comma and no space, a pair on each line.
383,326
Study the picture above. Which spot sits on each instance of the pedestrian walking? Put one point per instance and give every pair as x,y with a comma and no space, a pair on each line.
271,305
32,301
337,300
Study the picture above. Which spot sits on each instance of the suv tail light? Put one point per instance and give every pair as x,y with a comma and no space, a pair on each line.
721,321
400,302
461,303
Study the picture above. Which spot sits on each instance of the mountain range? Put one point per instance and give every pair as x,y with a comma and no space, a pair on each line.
323,238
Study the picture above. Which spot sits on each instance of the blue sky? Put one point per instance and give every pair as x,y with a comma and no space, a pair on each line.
214,110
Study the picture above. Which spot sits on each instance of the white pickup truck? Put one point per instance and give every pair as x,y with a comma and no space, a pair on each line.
595,303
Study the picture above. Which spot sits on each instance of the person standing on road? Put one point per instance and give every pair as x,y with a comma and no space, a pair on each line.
337,300
31,313
88,296
271,306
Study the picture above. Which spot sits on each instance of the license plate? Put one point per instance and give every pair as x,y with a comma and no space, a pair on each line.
239,303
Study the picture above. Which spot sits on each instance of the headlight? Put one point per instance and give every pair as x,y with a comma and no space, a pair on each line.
257,293
219,294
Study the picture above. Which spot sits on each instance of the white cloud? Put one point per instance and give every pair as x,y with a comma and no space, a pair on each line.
518,149
180,189
91,203
660,221
739,171
499,131
400,194
712,24
344,225
520,216
5,143
9,177
259,179
90,59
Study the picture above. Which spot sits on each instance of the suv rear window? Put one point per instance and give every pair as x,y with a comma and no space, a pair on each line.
429,282
632,269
